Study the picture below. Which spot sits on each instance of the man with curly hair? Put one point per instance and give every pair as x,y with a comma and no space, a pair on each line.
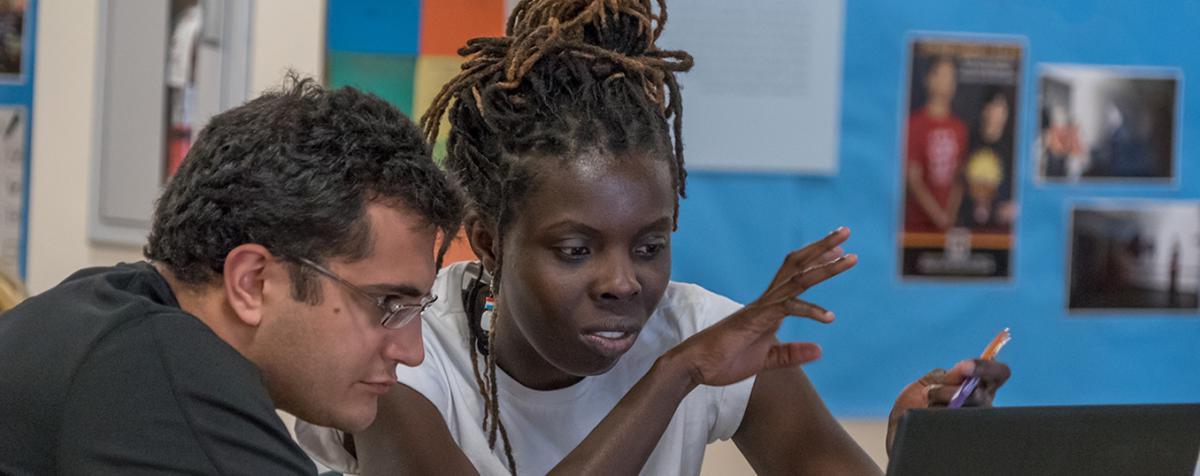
288,264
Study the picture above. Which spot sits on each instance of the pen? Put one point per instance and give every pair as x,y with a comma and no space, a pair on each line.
989,353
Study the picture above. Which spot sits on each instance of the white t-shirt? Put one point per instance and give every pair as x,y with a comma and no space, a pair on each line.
543,426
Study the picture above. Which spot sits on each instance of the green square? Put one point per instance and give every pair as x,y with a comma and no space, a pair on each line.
387,76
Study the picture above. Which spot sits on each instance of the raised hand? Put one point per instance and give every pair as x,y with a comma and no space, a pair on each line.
744,344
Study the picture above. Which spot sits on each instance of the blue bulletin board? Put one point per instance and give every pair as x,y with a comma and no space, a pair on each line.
736,228
18,32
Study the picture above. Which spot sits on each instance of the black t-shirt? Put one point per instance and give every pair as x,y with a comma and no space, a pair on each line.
106,374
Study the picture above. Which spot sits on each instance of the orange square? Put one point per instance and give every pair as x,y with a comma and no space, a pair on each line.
446,25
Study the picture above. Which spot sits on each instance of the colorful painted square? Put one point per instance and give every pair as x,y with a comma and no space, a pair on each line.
433,71
374,26
446,25
387,76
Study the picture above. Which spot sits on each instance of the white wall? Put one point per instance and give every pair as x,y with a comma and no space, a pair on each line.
288,34
62,136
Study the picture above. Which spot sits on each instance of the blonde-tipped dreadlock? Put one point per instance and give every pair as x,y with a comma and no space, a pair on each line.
568,75
11,291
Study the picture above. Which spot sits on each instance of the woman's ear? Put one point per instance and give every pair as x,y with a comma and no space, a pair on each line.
245,274
483,237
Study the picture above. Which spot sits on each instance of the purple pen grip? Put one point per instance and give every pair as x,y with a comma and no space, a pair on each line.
963,392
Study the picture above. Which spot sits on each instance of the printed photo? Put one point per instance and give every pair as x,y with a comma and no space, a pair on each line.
12,38
187,21
959,201
1135,256
1105,123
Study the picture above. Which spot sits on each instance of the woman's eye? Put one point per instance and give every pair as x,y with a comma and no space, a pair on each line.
573,252
649,249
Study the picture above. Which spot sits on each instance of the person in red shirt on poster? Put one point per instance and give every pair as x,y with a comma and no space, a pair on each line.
937,141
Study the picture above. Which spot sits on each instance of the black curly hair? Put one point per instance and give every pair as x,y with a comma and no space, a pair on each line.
568,77
293,170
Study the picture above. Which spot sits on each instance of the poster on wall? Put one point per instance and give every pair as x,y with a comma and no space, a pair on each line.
1135,256
12,38
12,179
760,60
186,22
1098,123
959,203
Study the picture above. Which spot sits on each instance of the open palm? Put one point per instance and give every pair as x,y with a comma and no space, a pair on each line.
744,344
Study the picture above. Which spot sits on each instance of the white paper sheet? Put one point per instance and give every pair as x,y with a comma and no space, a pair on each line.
765,93
12,185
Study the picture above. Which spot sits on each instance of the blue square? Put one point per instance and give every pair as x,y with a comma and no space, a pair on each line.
374,26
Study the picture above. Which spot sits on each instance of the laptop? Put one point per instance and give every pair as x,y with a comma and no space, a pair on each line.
1160,440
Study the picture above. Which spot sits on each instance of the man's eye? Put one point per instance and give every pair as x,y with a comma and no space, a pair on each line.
393,302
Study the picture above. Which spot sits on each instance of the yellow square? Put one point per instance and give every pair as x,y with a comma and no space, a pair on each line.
433,72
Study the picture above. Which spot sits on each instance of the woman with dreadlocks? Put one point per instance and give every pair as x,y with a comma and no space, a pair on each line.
567,349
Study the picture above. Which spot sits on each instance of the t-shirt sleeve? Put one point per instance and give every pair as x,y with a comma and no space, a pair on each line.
170,397
731,400
325,445
702,309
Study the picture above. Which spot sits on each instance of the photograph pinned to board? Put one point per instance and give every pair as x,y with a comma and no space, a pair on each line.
12,186
1134,256
959,202
1106,123
186,24
12,39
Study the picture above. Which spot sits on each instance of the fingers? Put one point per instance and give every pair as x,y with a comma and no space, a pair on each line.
831,255
801,308
791,354
781,302
934,376
800,259
813,276
961,371
932,389
979,398
765,317
939,395
913,396
942,385
992,372
992,376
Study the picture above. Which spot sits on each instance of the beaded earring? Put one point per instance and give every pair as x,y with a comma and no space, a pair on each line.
489,308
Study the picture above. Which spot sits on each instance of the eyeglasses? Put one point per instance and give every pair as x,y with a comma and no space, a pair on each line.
396,313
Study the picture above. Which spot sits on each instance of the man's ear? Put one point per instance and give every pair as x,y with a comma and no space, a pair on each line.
246,271
483,238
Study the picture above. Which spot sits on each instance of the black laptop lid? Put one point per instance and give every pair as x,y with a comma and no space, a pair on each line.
1161,440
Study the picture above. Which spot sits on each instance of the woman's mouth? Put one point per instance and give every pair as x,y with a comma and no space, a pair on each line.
609,343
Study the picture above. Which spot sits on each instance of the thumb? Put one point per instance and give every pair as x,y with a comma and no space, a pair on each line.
791,354
961,371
